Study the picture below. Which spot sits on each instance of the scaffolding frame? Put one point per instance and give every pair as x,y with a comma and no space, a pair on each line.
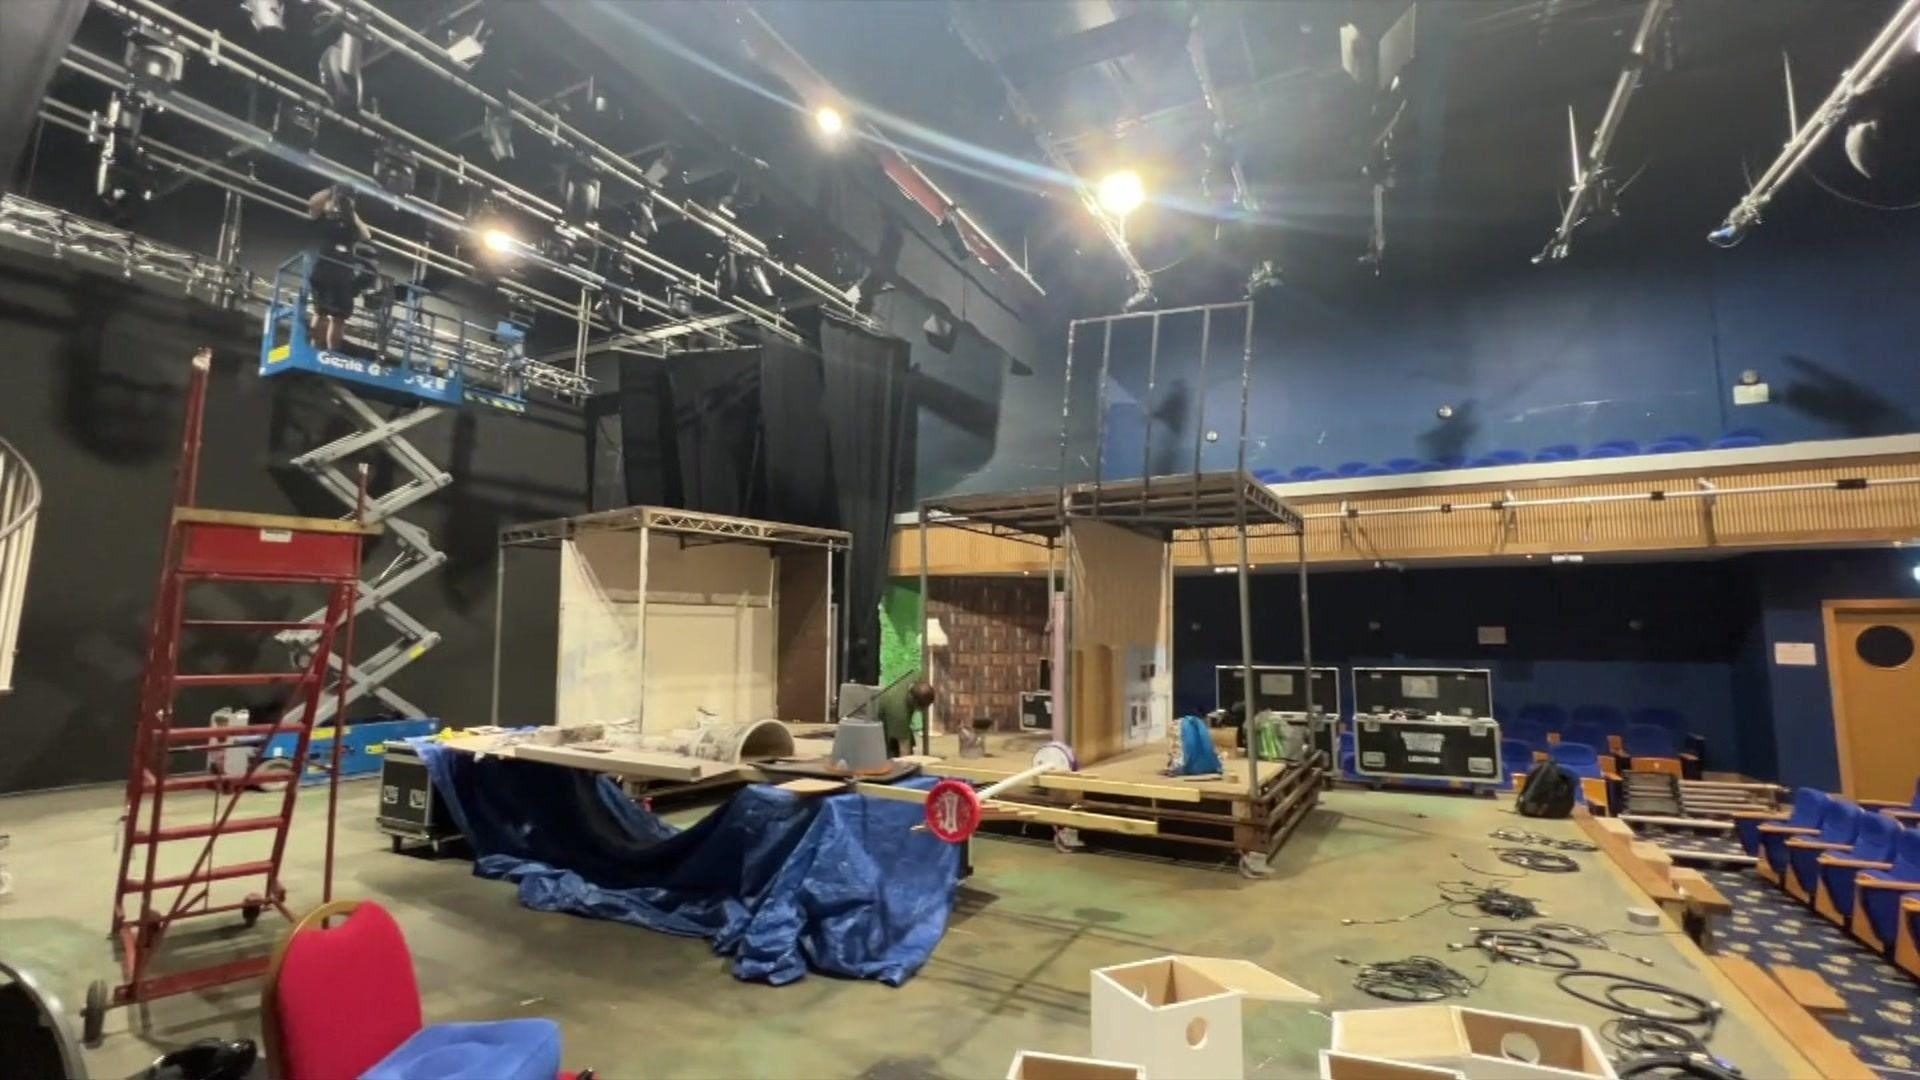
714,528
1176,508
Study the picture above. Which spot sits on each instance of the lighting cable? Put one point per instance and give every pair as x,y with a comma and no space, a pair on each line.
1537,860
1688,1010
1414,979
1521,947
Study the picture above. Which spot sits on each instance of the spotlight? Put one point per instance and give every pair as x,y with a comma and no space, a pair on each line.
1265,276
154,61
828,120
1142,295
296,125
265,14
661,166
866,292
395,169
748,270
1865,146
123,176
497,129
942,333
679,300
1121,193
466,48
340,72
582,194
499,241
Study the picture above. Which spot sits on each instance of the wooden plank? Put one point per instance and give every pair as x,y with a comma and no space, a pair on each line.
1072,782
810,785
1701,896
1121,584
1614,826
1707,824
1710,858
803,635
1657,888
1043,815
1810,990
1830,1057
1654,856
247,519
635,763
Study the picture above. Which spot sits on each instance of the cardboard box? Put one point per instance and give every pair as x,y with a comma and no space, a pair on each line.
1489,1045
1179,1016
1338,1066
1033,1065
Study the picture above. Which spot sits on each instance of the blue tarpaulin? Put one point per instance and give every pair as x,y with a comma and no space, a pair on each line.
781,883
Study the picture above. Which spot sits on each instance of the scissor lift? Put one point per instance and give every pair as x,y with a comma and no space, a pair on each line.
412,356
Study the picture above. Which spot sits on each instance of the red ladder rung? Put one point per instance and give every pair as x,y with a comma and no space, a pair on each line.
250,678
188,832
218,873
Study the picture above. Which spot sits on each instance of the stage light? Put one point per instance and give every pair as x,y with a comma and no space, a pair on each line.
154,61
828,120
1141,296
499,241
867,291
340,72
265,14
1121,193
467,48
395,169
942,333
497,129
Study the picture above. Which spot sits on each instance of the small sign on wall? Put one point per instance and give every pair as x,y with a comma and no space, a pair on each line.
1493,635
1795,654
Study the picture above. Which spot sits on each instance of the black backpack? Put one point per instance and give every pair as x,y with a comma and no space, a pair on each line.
1547,792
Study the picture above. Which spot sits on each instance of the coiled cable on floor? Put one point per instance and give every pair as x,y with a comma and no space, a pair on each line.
1414,979
1537,860
1635,1035
1689,1010
1522,947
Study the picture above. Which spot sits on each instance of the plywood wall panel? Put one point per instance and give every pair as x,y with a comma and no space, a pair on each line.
598,680
1122,598
804,616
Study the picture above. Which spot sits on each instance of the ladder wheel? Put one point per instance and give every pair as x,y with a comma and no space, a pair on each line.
93,1016
395,840
250,914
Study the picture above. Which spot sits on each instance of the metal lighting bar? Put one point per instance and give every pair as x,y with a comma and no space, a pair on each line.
216,50
1590,176
550,126
1889,45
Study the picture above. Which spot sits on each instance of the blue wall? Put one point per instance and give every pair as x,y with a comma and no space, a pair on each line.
1694,636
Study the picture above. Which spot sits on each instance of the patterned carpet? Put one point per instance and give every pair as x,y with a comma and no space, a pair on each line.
1882,1023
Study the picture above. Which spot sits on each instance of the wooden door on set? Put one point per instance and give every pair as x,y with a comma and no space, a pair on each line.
1873,651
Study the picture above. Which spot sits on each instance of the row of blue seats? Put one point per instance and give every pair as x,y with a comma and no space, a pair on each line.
1852,862
1612,448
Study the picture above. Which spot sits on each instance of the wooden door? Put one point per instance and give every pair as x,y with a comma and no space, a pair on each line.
1873,651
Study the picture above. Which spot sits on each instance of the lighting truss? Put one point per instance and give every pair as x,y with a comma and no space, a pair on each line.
1591,175
63,235
1893,43
381,29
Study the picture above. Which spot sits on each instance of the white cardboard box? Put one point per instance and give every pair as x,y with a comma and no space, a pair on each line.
1483,1045
1179,1016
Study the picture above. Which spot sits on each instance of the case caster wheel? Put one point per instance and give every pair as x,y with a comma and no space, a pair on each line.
1067,839
1253,866
251,914
394,841
435,845
93,1015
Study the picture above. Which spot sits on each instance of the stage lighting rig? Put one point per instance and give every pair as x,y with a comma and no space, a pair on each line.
1266,275
154,61
340,71
867,291
395,169
124,175
296,125
464,49
497,128
1142,296
265,15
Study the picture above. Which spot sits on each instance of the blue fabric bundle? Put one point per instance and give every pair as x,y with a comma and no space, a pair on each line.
1197,755
781,883
525,1049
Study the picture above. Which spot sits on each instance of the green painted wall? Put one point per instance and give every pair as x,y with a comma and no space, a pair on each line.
899,629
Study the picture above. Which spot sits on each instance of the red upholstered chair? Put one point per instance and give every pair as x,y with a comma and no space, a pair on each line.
339,998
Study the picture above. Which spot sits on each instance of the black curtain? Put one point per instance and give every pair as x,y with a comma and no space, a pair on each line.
799,479
865,398
716,412
649,448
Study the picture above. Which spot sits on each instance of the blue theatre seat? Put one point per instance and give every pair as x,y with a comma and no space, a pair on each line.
1557,452
1878,892
1548,718
1838,826
1739,439
1269,476
1775,834
1401,465
1375,470
1350,468
1584,762
1516,757
1805,814
1872,850
1593,735
1906,813
1308,472
1449,461
1675,444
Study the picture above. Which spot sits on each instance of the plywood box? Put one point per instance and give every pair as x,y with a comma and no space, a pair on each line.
1484,1045
1179,1016
1033,1065
1338,1066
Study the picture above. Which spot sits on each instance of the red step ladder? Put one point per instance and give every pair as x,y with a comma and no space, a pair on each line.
236,550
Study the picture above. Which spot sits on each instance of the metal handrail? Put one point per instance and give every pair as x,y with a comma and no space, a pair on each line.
19,510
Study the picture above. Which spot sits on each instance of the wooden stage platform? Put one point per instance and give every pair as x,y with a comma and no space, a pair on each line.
1219,814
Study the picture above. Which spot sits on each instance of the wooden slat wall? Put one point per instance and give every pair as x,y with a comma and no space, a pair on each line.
1784,519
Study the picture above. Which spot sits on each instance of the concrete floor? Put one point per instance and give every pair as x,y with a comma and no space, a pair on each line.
1011,972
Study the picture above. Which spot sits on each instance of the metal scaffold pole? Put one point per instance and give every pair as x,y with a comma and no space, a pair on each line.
416,558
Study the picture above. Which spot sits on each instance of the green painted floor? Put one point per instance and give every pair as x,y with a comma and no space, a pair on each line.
1011,973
